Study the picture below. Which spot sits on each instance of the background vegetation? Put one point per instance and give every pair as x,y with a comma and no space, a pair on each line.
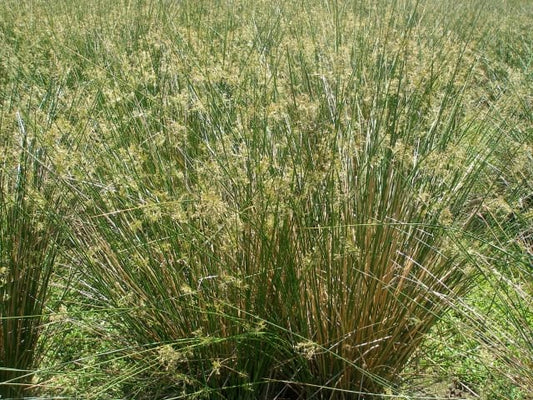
243,199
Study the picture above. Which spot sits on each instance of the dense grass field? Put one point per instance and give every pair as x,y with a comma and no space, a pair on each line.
237,199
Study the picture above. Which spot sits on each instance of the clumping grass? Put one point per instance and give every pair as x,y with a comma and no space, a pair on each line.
28,243
313,200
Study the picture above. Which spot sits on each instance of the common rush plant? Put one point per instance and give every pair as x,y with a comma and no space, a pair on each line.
288,233
28,234
272,200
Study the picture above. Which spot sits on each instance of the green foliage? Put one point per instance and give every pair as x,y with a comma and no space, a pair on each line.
274,200
28,242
